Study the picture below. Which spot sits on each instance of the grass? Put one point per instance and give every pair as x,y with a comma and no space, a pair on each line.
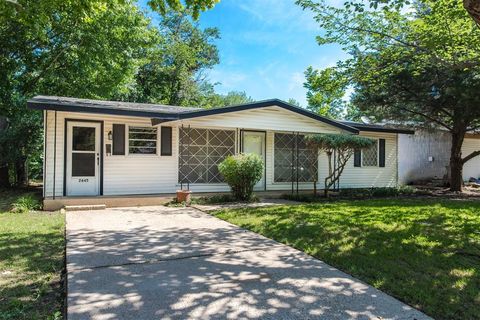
423,252
31,258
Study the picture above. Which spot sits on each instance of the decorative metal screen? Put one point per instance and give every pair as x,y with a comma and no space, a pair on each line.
370,156
201,150
292,153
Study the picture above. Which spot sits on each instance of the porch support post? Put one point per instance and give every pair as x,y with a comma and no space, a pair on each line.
188,148
296,147
293,157
180,158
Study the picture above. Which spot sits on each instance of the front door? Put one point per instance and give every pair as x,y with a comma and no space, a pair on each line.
83,158
254,142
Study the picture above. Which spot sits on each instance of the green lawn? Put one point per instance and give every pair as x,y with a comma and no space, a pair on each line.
31,262
424,252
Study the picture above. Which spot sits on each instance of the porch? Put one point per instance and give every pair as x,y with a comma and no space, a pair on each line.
57,203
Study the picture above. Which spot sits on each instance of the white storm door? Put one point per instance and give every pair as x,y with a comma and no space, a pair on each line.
83,158
254,142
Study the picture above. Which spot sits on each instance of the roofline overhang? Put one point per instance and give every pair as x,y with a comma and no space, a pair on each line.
385,130
257,105
72,107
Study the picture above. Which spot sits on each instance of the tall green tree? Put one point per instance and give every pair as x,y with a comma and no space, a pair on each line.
326,91
88,49
174,70
420,66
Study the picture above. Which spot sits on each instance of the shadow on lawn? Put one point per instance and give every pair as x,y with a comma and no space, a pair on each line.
207,272
426,254
32,261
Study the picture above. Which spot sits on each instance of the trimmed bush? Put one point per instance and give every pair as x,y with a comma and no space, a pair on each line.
242,172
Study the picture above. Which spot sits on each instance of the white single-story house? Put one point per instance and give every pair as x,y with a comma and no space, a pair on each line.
99,148
425,155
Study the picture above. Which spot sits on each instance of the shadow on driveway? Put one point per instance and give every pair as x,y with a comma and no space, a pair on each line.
171,263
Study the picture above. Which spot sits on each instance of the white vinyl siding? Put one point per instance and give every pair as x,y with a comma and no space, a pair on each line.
142,174
367,177
123,174
472,167
269,118
415,151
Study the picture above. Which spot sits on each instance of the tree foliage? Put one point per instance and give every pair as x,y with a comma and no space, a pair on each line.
343,146
326,91
93,49
195,6
420,66
174,71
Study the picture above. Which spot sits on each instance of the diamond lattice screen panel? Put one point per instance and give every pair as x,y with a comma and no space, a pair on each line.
201,150
370,156
287,159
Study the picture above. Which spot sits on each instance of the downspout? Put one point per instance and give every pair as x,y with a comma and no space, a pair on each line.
45,133
396,171
55,156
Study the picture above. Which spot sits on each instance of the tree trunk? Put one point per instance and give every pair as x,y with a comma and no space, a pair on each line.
473,8
4,179
456,161
21,172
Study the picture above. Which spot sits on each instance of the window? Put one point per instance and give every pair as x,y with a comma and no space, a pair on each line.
370,156
292,153
142,140
201,150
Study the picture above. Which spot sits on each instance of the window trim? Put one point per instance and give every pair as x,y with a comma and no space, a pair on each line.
377,141
127,144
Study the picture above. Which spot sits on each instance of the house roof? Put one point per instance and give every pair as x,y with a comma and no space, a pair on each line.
260,104
377,127
163,113
107,107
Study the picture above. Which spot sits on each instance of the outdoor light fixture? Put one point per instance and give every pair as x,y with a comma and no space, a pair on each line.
110,135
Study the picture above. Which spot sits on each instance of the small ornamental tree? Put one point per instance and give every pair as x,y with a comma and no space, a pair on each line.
344,145
242,172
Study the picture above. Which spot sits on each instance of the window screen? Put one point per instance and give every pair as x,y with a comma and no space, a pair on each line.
370,156
83,164
142,140
287,160
201,150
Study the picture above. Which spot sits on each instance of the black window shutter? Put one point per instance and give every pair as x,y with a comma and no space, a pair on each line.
118,139
166,141
357,158
381,148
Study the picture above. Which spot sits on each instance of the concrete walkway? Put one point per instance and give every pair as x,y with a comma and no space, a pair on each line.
180,263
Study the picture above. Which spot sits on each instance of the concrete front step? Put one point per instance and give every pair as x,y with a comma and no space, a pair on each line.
86,207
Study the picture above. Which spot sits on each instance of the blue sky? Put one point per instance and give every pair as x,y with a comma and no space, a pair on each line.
265,47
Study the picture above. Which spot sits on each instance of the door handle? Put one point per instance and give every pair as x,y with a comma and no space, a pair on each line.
98,160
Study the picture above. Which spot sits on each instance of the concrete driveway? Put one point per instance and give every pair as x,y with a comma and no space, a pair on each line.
180,263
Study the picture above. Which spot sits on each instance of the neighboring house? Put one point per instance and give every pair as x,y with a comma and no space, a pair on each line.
425,155
95,148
